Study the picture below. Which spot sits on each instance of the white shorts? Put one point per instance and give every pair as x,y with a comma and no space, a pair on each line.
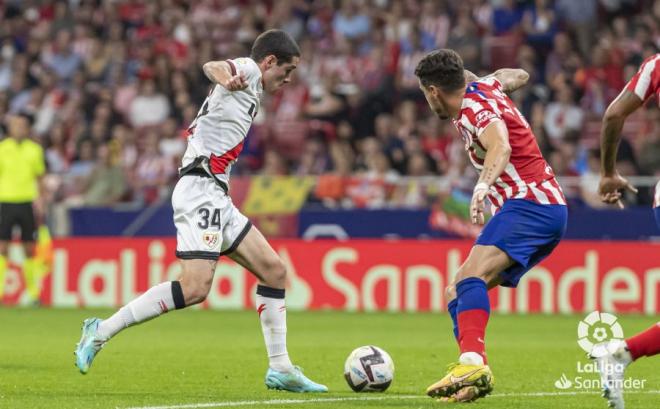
208,225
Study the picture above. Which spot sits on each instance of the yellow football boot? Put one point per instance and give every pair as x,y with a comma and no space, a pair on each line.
463,383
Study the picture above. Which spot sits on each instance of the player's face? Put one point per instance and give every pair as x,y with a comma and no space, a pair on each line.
276,76
435,100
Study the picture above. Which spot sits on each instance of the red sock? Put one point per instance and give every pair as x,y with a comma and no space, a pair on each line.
472,331
645,343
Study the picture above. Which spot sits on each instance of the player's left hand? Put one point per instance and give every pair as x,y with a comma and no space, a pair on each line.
477,203
610,188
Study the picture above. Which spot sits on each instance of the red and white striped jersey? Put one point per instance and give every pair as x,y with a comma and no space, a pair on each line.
646,82
223,121
527,175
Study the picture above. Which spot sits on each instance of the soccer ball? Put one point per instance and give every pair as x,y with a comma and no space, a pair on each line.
369,369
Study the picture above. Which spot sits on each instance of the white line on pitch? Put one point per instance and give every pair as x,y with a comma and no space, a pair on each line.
277,402
565,393
366,398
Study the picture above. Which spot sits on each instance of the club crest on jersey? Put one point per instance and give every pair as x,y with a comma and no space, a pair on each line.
210,239
483,117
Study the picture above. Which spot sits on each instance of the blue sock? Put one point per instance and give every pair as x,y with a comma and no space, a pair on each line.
451,307
473,310
472,294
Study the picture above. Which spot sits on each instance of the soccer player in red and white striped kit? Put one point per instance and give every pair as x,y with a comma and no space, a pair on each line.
614,356
527,202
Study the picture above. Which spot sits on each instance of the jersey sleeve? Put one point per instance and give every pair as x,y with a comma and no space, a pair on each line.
491,81
645,81
245,66
477,116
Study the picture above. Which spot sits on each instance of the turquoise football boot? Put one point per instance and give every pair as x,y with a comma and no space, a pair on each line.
89,345
293,381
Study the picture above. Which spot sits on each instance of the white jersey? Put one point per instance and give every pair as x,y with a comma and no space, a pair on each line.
216,136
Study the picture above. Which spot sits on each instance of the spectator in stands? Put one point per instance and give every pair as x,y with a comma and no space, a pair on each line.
154,173
562,115
506,17
148,107
61,58
106,184
351,20
540,24
580,16
108,74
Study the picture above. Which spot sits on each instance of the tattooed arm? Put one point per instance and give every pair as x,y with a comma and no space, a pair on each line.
611,182
510,78
495,138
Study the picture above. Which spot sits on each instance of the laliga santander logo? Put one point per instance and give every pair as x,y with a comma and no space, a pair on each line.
596,328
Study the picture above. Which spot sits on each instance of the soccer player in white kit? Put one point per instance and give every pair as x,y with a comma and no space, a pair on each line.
207,222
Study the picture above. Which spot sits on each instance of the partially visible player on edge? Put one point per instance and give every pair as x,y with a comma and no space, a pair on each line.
617,355
207,222
528,205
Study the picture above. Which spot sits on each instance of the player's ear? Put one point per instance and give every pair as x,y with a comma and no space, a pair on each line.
271,61
433,90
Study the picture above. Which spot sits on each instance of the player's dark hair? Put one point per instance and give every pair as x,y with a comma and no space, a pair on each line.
442,68
277,43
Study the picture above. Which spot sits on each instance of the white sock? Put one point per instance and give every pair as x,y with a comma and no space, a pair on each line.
471,358
272,313
621,353
158,300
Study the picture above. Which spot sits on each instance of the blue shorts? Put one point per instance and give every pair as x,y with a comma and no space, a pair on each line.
527,232
656,210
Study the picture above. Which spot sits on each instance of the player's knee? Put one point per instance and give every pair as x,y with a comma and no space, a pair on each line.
195,291
450,293
467,271
275,273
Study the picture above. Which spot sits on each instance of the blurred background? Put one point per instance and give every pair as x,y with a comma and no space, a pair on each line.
350,143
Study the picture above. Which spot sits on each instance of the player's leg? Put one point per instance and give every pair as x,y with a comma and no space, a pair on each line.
613,357
468,296
479,272
257,256
191,288
646,343
452,302
194,201
521,235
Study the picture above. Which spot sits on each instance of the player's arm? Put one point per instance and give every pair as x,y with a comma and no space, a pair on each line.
220,72
511,78
615,116
495,138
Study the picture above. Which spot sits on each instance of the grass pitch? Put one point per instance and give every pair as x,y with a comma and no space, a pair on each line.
205,359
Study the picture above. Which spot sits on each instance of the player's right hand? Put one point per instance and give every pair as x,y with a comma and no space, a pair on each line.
610,188
237,83
477,203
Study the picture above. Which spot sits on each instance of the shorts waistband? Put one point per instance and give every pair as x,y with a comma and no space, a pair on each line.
202,173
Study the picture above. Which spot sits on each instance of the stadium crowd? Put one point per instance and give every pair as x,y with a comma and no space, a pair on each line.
113,85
